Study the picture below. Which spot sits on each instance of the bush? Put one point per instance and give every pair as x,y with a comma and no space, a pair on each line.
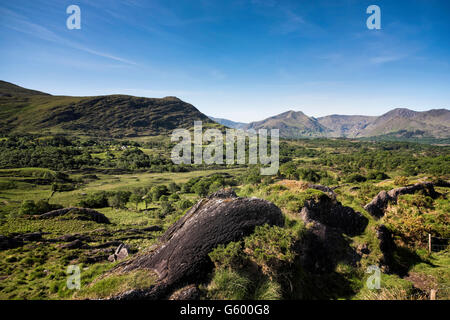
95,200
377,175
29,207
185,204
270,248
158,191
356,177
118,199
401,181
228,256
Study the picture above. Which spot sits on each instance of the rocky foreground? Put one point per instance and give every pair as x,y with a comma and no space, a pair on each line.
181,261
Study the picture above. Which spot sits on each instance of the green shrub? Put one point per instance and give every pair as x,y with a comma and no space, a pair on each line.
270,247
356,177
184,204
29,207
95,200
227,256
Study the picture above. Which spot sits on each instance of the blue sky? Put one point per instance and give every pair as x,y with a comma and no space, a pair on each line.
243,60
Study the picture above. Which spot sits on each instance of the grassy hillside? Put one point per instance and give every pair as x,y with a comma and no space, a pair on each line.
23,110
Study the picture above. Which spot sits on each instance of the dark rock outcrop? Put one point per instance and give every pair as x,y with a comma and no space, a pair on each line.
152,229
379,204
182,256
9,243
75,244
79,213
323,245
72,237
333,214
16,240
329,191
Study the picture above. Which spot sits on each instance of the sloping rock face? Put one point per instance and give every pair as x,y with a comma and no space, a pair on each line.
333,214
324,245
80,213
378,205
182,257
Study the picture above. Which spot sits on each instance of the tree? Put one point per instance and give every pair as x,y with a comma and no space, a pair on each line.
135,198
158,191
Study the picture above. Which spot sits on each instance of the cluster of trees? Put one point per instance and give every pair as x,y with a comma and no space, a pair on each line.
60,153
203,186
166,196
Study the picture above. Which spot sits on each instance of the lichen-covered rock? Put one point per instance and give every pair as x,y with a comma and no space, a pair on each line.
120,253
79,213
182,256
379,204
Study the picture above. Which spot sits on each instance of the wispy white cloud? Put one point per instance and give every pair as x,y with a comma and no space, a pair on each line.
385,59
21,24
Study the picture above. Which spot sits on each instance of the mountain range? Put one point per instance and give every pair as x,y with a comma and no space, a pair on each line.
398,123
29,111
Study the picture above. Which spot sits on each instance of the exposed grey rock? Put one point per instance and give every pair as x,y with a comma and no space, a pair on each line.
182,256
120,253
81,214
379,204
190,292
329,191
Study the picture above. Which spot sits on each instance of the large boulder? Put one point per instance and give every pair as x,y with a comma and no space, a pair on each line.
323,245
182,258
378,205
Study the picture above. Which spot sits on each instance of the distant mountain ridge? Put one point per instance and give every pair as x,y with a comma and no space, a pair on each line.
229,123
397,123
29,111
23,110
